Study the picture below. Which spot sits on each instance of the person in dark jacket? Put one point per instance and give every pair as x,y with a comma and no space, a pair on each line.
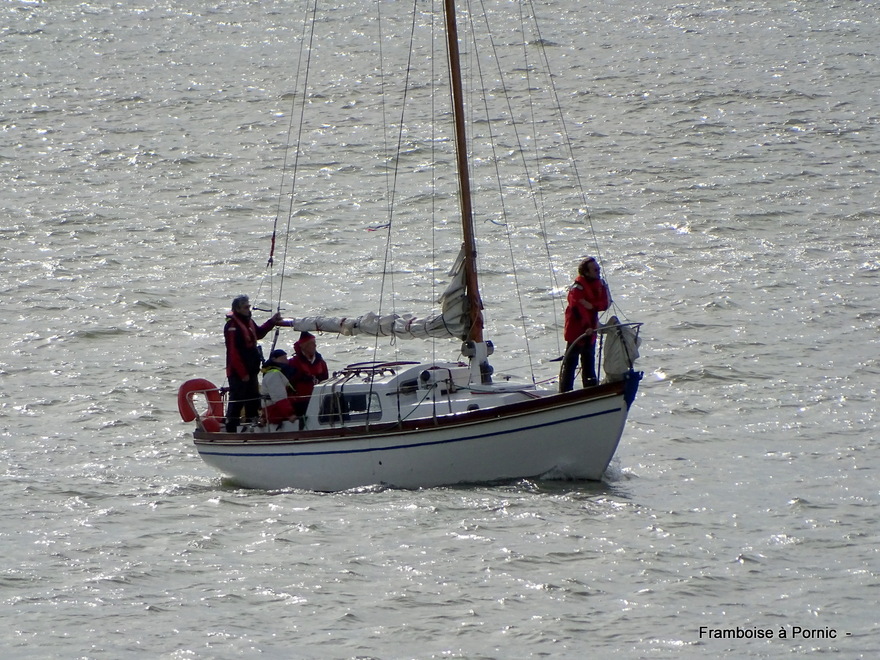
243,361
586,298
309,369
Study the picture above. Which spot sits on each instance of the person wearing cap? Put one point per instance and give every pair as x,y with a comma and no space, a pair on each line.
586,298
309,369
276,389
243,360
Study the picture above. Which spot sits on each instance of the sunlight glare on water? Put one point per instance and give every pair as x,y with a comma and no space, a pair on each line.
729,153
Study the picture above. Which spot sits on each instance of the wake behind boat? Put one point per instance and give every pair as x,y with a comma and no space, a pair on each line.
410,424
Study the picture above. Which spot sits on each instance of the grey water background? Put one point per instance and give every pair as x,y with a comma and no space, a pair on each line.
729,150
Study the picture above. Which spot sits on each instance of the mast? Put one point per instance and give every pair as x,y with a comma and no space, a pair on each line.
475,303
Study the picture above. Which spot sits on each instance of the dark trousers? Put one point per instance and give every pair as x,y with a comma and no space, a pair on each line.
244,394
586,353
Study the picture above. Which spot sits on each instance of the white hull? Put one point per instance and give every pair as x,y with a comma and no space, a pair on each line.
571,435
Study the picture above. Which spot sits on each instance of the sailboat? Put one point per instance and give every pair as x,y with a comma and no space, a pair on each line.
415,424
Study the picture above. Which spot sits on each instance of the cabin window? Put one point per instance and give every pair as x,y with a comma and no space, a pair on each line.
342,407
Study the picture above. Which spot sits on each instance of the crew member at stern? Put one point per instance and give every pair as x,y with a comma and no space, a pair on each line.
243,360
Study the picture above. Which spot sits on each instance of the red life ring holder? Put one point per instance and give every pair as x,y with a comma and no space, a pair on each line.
211,419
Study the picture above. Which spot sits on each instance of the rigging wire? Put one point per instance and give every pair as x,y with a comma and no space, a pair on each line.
392,178
388,258
386,226
305,37
300,99
565,134
597,252
535,191
539,189
433,177
390,189
306,44
495,160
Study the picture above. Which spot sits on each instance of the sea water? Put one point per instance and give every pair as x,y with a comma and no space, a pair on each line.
729,151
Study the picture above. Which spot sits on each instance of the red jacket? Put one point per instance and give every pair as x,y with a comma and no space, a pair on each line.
241,335
579,319
306,373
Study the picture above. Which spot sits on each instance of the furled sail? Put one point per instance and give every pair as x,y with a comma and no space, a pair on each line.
451,322
621,348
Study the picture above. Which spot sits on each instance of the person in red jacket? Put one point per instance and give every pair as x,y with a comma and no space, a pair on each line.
243,361
309,369
586,298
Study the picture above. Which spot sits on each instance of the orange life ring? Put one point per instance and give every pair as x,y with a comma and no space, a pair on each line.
210,419
212,424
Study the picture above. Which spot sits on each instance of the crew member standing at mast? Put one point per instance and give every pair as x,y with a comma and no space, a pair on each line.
244,360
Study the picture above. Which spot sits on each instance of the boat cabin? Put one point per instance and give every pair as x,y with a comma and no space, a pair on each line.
388,392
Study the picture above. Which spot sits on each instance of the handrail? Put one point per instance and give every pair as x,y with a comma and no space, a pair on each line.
600,332
608,327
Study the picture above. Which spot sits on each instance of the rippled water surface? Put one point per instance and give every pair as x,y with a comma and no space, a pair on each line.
729,152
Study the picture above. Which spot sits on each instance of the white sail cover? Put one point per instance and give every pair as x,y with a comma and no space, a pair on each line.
621,349
451,322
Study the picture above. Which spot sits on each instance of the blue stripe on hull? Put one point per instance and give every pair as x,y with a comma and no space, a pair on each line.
406,446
